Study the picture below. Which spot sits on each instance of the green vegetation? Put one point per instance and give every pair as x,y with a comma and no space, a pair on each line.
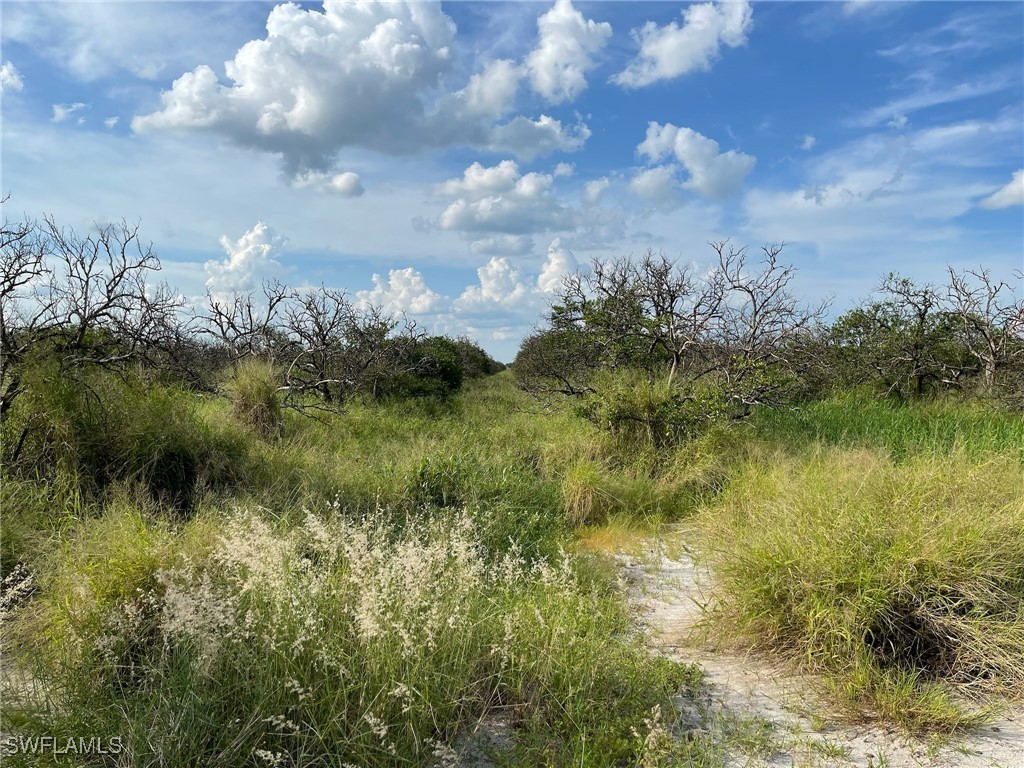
310,534
891,578
367,590
858,420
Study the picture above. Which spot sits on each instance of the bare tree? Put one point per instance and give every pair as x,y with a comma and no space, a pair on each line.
318,323
992,319
722,339
24,314
725,321
245,323
87,300
758,324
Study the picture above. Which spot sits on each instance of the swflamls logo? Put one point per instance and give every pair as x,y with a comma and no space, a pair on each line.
53,745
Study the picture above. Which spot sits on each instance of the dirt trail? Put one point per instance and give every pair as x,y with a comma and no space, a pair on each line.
670,593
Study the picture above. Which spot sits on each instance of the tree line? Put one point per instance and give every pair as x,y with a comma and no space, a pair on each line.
86,302
657,347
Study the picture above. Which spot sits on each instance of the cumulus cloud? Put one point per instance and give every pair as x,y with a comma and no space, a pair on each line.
405,291
528,138
479,181
110,122
499,285
10,78
808,142
350,75
62,112
502,303
712,173
658,186
250,259
489,93
565,52
356,74
673,50
560,263
501,199
1010,196
344,184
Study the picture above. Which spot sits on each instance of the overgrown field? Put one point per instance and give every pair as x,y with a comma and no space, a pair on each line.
364,591
370,588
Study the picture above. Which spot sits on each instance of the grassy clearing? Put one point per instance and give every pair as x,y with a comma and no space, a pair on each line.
361,592
903,582
856,421
370,589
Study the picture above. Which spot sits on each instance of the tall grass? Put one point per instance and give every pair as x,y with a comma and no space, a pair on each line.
855,420
903,582
339,641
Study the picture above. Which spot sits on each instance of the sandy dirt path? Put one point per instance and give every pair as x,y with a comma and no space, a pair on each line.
670,593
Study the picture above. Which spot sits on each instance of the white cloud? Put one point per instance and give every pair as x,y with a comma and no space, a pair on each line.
499,285
808,142
560,263
563,169
350,75
479,181
594,188
528,138
713,174
344,184
250,259
405,291
1010,196
500,199
504,302
490,93
110,122
658,186
356,74
94,40
670,51
62,112
10,78
565,52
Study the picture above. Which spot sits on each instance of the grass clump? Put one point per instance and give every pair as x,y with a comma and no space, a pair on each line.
339,641
254,397
903,582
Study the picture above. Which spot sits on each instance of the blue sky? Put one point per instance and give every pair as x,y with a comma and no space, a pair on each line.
453,161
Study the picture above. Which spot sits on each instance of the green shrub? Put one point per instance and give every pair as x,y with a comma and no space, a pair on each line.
642,412
89,432
902,582
253,389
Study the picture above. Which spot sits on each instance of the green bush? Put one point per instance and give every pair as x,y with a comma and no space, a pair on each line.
254,397
643,412
88,432
902,582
